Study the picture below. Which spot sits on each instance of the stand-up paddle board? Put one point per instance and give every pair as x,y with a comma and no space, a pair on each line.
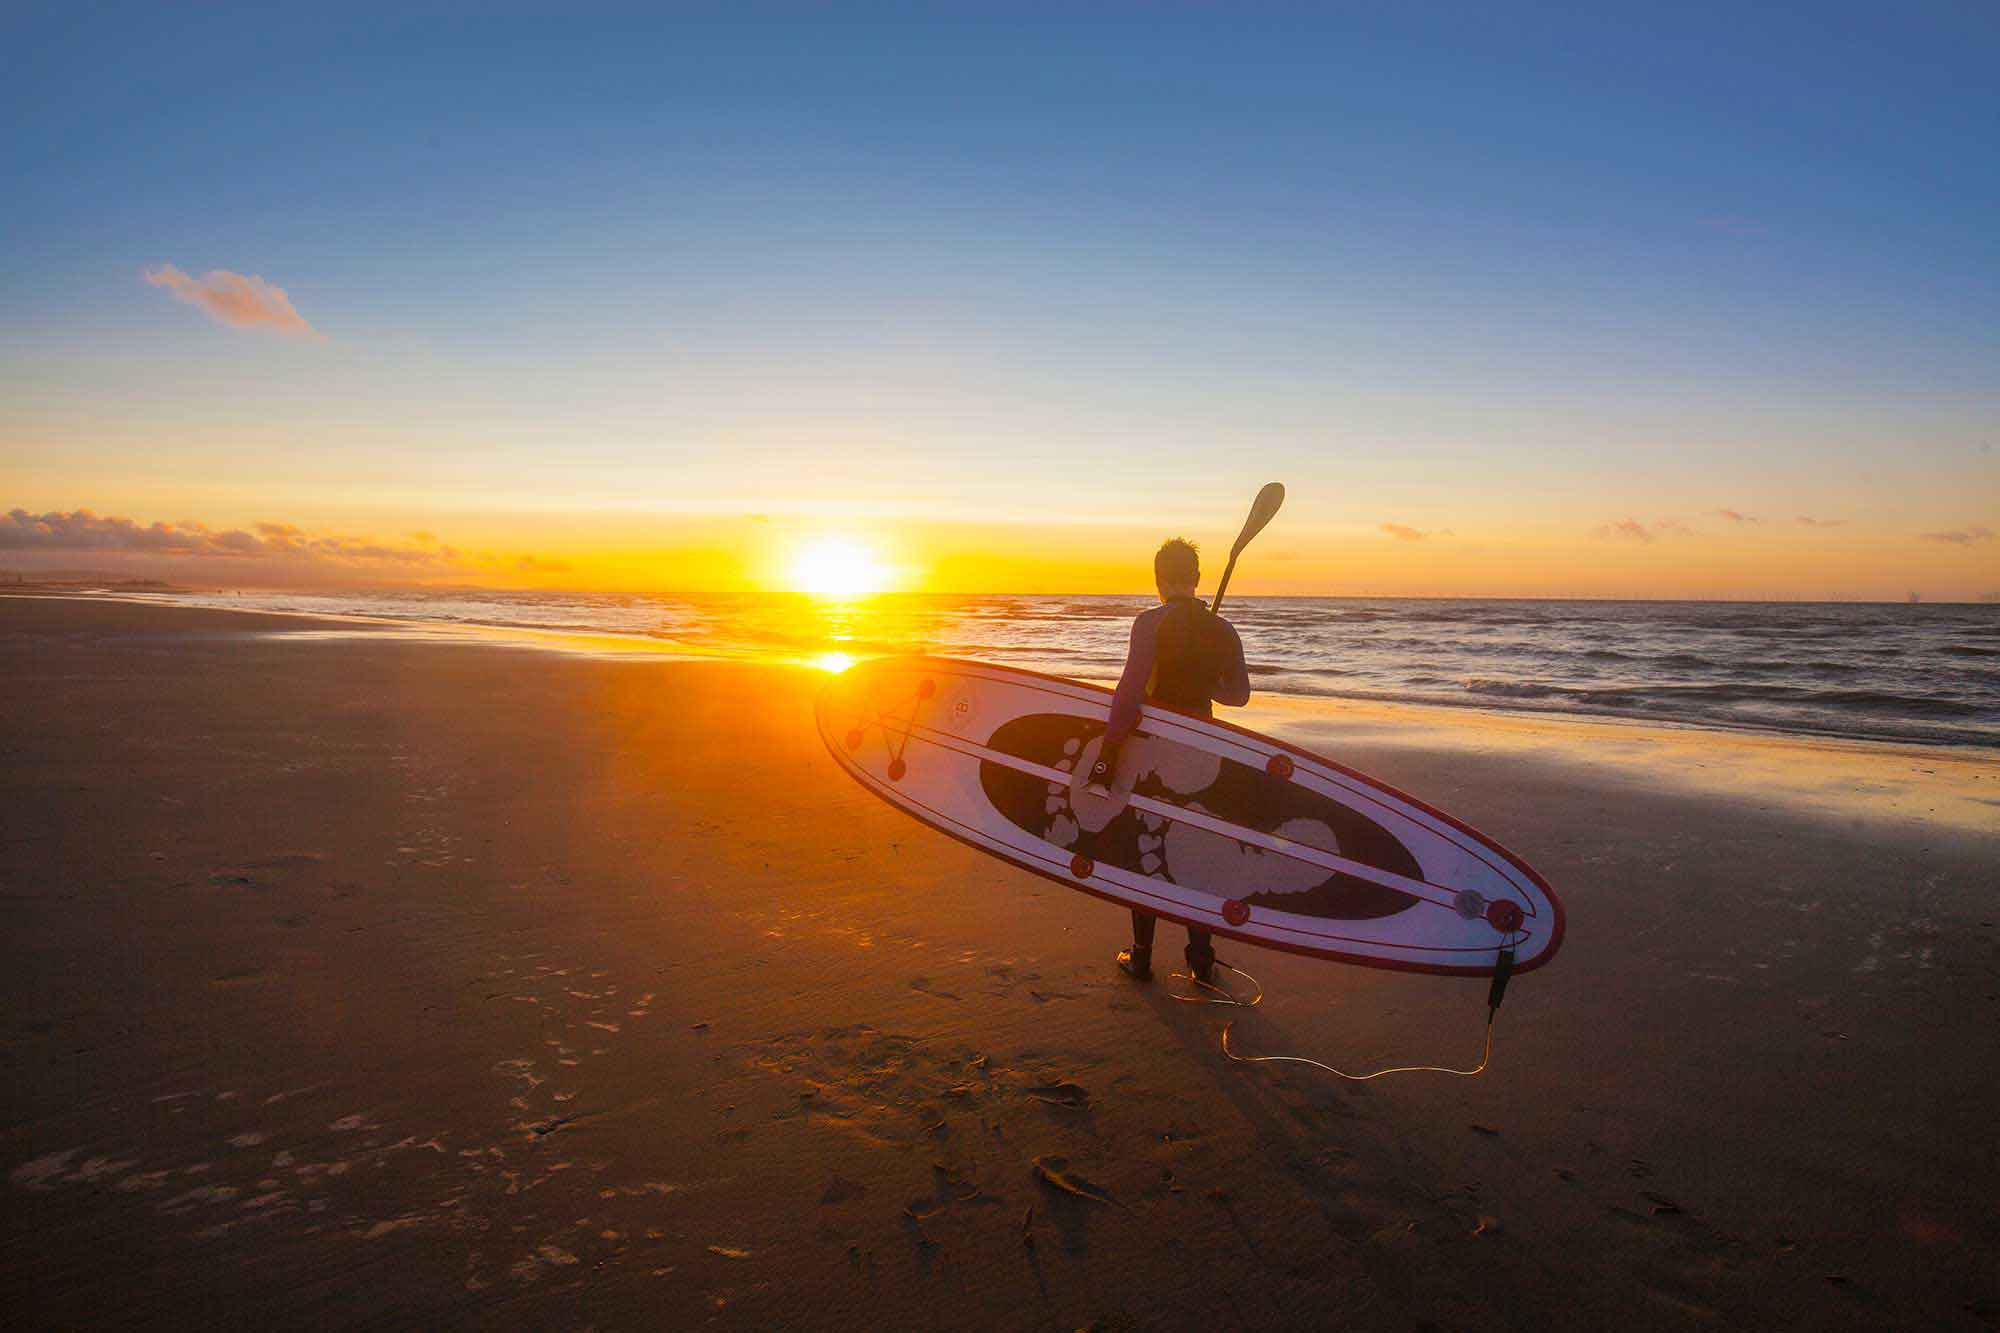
1204,823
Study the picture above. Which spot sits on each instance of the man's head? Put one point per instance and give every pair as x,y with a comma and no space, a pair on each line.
1176,568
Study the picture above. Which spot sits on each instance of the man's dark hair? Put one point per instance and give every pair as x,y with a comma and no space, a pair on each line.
1177,562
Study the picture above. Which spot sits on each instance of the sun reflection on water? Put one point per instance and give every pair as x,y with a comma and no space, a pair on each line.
833,662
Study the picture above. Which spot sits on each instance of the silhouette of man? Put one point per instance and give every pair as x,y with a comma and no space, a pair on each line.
1183,657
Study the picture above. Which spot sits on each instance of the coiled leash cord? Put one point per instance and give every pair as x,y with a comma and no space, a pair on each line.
1503,969
1227,997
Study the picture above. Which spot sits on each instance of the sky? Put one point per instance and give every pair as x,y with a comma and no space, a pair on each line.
1609,300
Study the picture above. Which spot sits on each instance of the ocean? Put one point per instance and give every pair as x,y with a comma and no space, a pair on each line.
1918,672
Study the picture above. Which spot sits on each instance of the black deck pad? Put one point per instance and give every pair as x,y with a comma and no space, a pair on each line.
1237,793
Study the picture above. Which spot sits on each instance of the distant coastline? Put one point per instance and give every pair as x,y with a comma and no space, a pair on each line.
64,581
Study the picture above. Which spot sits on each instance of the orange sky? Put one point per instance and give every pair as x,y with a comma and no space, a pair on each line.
1305,551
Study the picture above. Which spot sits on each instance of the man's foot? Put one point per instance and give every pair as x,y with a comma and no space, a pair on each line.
1136,964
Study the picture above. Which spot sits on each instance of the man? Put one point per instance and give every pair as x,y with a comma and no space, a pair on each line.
1185,658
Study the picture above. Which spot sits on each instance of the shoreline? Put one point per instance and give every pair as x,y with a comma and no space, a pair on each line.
618,644
1870,776
549,989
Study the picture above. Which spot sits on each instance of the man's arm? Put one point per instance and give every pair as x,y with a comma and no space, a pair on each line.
1131,692
1233,689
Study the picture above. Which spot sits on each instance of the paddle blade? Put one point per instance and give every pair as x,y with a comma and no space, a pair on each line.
1261,512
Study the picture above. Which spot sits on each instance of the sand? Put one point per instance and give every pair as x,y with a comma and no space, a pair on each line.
352,981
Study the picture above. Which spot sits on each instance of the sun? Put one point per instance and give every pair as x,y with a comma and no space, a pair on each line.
837,567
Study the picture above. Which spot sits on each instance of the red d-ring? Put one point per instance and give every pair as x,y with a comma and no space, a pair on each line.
1081,866
1504,916
927,689
896,770
854,739
1236,911
1280,767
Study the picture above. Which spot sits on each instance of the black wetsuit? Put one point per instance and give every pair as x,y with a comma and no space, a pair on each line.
1194,652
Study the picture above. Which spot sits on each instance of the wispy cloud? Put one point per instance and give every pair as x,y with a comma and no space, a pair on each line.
1625,529
1632,530
1402,532
244,303
1811,522
1959,536
1736,516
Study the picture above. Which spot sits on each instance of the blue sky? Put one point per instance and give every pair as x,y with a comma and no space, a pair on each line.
1581,261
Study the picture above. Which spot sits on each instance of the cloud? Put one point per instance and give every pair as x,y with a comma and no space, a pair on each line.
1959,536
1632,530
1403,533
1625,529
534,564
1822,522
244,303
1735,517
82,530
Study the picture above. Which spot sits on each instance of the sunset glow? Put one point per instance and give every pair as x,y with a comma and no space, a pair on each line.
837,567
833,663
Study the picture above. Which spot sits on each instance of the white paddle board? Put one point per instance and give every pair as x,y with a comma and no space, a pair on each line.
1206,823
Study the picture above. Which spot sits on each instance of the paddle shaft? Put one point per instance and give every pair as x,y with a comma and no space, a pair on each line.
1223,586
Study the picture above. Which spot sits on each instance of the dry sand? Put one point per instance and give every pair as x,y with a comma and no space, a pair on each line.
364,981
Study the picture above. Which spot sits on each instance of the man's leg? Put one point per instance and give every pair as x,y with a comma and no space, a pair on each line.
1137,961
1143,924
1201,954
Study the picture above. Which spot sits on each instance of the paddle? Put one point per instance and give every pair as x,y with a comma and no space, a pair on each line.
1262,510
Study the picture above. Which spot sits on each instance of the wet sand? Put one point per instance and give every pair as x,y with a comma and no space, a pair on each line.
358,981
